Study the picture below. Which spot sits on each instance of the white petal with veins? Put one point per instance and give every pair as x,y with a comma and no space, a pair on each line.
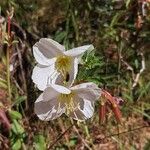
58,88
89,91
40,58
49,48
73,72
84,114
79,51
41,76
51,44
48,110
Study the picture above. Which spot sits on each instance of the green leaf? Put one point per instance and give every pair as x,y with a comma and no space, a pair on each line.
16,145
72,142
115,19
15,42
5,42
136,63
19,100
127,3
2,80
17,128
39,142
141,112
60,36
15,115
3,83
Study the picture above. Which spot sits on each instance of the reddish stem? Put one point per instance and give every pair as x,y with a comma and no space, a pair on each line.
102,113
117,113
4,119
114,105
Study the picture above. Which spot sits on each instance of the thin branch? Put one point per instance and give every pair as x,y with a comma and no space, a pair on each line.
96,140
59,137
116,134
22,70
18,86
129,67
76,130
82,139
135,77
140,72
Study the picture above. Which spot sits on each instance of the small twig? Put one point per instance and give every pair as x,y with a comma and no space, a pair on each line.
144,4
76,130
136,79
12,56
17,85
83,140
20,29
97,140
128,67
8,59
116,134
63,129
2,139
59,137
22,70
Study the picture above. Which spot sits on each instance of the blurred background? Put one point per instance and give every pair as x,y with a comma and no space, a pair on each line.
120,63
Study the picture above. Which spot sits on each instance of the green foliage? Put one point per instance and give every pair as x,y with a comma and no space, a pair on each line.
39,142
17,128
15,115
17,135
72,142
91,68
19,100
3,83
16,145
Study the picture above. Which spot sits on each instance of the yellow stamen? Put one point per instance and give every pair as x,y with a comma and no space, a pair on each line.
69,101
63,65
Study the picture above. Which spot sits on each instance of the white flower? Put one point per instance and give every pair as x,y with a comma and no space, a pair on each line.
76,102
55,65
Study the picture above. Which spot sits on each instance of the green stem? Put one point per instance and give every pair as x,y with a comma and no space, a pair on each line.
7,57
88,135
8,73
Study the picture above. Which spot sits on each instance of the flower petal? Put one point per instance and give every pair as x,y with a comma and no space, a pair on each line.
73,72
48,110
88,91
79,51
84,114
52,44
40,58
49,94
46,49
50,48
42,75
53,90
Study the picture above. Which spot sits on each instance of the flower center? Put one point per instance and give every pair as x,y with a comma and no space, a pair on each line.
63,65
69,101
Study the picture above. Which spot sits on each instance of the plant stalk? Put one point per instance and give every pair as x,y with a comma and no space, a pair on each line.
8,73
8,60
